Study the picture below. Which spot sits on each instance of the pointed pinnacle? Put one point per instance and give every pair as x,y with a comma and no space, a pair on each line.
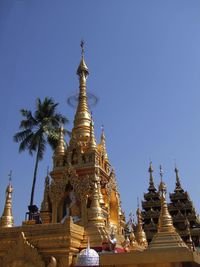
151,180
82,68
178,182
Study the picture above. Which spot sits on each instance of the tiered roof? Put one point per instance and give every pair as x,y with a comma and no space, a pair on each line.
183,212
151,207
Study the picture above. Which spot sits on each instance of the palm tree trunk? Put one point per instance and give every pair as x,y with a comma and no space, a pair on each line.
35,175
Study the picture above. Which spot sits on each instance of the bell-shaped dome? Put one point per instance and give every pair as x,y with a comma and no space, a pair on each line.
88,257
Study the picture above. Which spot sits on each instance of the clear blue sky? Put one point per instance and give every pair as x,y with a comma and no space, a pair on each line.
144,61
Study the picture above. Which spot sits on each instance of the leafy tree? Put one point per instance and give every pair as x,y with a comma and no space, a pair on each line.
38,130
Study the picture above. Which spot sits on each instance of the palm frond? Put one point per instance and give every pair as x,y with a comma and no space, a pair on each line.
20,136
41,148
25,143
29,122
53,142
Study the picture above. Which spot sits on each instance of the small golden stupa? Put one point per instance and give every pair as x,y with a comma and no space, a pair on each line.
7,219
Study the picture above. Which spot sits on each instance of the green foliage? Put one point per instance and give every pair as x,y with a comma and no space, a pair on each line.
39,128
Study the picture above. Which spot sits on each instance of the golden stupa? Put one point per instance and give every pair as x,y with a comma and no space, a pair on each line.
81,211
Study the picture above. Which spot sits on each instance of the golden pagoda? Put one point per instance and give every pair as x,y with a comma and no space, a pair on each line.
83,184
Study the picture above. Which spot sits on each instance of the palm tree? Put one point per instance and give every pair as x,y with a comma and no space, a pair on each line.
38,130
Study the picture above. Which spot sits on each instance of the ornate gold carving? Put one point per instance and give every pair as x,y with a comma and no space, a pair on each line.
57,189
82,186
103,145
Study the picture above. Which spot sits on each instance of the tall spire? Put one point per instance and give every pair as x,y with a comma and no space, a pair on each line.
151,180
7,217
140,234
165,219
60,149
103,143
81,130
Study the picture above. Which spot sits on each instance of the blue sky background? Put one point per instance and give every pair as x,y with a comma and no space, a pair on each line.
144,62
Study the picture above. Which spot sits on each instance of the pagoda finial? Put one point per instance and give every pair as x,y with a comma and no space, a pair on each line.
81,129
165,219
82,47
7,217
82,68
161,173
103,143
140,234
151,180
178,182
60,149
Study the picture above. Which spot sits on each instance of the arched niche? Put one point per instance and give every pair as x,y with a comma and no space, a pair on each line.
69,205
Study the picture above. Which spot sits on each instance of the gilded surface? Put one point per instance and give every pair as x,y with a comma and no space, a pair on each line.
22,254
